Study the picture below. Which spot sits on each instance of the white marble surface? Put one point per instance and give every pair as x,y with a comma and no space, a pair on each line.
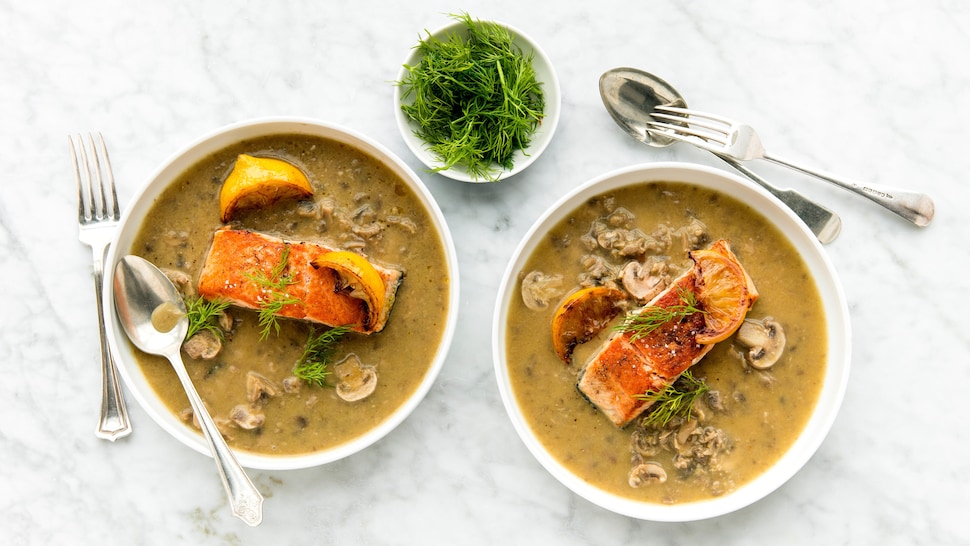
878,90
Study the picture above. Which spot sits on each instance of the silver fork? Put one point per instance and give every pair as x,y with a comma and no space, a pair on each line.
727,137
97,217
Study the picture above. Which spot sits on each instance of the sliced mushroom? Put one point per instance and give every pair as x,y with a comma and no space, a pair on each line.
292,384
204,345
765,341
403,222
188,415
684,433
647,473
260,387
244,416
226,322
181,280
539,289
644,280
356,381
715,401
694,234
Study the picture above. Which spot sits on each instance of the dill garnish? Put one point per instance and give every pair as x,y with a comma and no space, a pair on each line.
675,400
319,349
202,315
653,317
275,296
476,98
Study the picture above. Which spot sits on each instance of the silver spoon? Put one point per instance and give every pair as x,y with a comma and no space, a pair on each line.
630,95
153,315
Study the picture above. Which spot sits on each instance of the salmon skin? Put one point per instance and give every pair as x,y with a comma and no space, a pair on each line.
623,369
236,255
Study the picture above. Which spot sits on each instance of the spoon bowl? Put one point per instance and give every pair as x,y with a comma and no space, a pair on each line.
152,313
630,96
140,292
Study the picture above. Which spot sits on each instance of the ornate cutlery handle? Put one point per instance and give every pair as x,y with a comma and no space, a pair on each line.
916,207
825,224
245,499
114,422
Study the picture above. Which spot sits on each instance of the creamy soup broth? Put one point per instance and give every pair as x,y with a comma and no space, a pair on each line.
348,184
765,411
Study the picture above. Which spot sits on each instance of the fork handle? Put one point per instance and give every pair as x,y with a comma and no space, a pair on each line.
916,207
824,223
114,421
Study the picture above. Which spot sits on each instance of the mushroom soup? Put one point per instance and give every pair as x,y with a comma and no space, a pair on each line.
761,384
249,385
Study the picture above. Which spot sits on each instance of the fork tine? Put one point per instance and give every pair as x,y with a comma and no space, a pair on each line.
115,209
678,132
100,173
99,206
77,180
86,168
682,121
87,210
686,112
669,131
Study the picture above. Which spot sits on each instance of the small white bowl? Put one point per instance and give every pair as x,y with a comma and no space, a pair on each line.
540,139
837,331
131,223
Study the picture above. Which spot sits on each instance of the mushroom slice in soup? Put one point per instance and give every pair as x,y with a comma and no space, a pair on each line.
539,289
645,280
260,387
205,345
246,417
356,380
181,280
765,341
647,473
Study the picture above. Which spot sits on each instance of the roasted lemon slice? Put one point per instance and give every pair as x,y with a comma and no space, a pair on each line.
359,277
582,315
722,290
261,181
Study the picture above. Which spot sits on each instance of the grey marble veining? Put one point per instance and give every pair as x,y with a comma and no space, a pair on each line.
875,90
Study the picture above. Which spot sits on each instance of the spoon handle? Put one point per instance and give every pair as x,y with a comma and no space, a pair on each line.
916,207
246,501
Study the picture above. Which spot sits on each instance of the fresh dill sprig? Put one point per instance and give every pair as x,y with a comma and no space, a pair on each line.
476,98
653,317
275,295
203,314
317,353
675,400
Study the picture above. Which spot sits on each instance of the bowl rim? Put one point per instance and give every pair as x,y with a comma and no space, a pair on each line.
837,328
163,176
545,72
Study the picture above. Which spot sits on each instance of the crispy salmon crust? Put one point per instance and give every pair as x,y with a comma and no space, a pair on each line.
616,377
235,255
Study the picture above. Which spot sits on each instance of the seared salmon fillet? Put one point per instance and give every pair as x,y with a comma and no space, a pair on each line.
235,255
623,369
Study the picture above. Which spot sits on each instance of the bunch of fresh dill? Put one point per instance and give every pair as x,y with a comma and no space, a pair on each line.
475,98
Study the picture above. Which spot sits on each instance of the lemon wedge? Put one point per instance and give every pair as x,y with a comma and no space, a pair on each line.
722,290
582,315
259,182
358,276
